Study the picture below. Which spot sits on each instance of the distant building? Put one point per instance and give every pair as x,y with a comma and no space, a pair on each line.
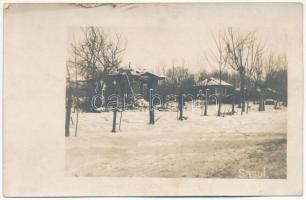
214,87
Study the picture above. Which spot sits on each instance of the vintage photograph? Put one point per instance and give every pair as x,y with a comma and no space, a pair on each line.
176,93
153,99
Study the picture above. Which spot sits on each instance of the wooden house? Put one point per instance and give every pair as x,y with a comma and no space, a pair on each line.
214,87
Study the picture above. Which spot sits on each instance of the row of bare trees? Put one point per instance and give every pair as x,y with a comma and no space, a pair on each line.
178,77
245,54
238,58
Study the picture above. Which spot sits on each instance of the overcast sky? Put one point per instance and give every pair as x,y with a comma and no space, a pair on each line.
165,34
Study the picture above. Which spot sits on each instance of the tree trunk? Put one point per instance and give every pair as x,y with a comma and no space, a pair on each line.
115,108
275,105
247,104
77,101
233,104
68,110
206,102
261,103
114,120
242,92
77,116
219,106
151,106
220,101
90,94
181,104
234,97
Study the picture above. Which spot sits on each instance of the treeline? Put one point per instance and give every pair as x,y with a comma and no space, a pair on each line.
237,58
179,77
242,60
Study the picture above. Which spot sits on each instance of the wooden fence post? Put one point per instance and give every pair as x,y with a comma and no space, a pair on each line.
206,102
68,110
114,120
151,108
181,104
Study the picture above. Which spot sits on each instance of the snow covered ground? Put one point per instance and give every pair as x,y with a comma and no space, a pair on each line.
251,145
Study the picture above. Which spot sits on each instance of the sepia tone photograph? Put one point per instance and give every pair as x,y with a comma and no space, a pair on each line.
200,100
152,99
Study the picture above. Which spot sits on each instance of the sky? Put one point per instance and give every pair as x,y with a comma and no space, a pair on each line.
167,34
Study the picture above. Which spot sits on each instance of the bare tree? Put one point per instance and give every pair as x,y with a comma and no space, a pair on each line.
202,75
162,68
68,103
238,49
254,68
76,97
97,54
220,57
283,78
258,76
177,78
276,76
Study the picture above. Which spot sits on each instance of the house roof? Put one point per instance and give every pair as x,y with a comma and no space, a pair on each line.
213,82
142,73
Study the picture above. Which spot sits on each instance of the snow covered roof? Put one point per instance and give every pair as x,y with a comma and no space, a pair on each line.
213,82
137,72
144,72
